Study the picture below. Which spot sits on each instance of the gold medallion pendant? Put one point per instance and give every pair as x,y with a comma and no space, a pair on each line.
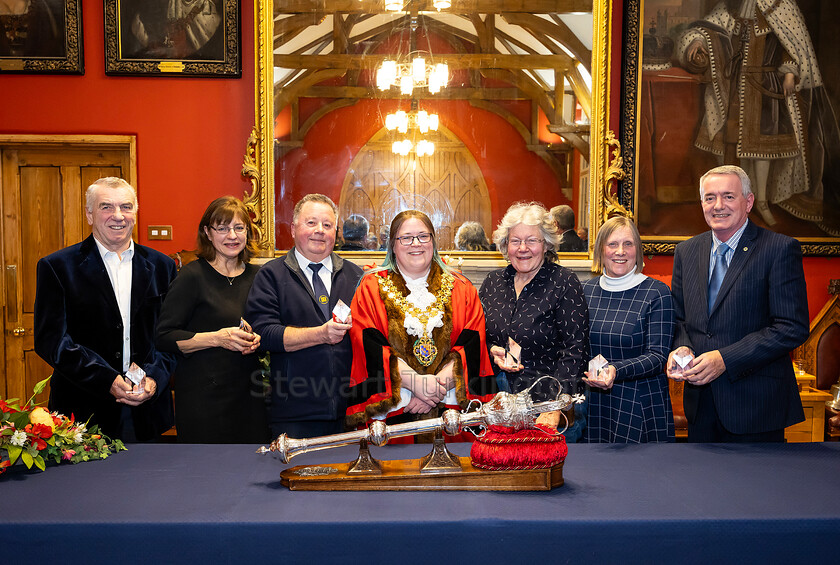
425,351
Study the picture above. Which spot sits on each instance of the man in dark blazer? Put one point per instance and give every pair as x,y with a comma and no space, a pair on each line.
96,308
740,385
564,218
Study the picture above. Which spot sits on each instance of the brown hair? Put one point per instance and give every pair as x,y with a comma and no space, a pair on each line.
390,261
222,211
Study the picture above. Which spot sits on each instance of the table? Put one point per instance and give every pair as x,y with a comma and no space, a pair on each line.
675,503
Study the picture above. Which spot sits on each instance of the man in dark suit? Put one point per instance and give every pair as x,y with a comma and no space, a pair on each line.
96,308
741,307
564,218
355,232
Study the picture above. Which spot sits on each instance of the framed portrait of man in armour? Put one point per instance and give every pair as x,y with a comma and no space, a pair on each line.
173,37
41,36
752,83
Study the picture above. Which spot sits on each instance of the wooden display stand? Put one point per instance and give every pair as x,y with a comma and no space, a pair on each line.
405,474
813,403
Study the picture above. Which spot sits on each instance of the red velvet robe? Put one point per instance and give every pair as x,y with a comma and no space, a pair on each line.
379,339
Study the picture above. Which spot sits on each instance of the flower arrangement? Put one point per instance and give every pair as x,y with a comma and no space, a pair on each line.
32,435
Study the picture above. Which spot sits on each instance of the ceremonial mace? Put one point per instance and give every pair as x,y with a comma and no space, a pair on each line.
516,411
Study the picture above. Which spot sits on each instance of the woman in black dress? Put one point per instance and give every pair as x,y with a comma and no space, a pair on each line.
218,385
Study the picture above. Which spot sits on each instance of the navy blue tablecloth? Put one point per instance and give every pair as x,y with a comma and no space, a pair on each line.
678,503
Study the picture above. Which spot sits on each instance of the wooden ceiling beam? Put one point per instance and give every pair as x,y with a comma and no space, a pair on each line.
542,29
448,93
458,6
454,60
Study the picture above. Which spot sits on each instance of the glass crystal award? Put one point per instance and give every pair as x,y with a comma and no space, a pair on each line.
341,312
596,365
135,374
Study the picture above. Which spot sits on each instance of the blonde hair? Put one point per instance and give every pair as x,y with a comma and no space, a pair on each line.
610,227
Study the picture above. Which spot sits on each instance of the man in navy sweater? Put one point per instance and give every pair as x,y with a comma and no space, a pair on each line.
290,305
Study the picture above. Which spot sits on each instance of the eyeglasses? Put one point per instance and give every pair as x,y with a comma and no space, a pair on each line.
238,230
409,239
530,242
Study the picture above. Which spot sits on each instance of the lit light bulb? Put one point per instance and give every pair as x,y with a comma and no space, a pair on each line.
406,85
402,121
423,121
418,69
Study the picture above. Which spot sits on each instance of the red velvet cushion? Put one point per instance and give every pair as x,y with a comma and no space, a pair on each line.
502,449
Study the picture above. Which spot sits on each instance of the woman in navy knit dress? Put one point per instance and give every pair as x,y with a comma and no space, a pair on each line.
631,323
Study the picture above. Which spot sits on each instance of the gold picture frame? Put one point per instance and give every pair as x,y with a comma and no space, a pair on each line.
604,162
661,100
164,38
46,38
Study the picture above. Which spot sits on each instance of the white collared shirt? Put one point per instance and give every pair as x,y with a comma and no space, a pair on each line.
325,273
119,272
732,243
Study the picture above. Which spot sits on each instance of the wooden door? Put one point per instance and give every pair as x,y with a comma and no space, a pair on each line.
43,182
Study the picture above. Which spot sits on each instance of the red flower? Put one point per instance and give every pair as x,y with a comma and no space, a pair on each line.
38,443
41,430
6,408
4,464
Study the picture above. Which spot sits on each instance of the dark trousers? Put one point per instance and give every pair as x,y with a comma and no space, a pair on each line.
707,427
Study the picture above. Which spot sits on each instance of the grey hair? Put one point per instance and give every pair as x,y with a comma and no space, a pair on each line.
746,186
530,214
471,237
108,182
315,197
563,216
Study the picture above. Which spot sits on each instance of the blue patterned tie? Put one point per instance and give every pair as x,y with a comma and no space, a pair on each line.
321,295
718,272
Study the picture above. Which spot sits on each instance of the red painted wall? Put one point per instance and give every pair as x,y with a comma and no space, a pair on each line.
191,132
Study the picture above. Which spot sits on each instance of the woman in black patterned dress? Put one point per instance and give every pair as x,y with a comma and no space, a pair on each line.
537,303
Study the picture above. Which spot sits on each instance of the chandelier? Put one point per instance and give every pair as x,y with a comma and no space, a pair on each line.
408,76
397,5
405,146
421,121
402,121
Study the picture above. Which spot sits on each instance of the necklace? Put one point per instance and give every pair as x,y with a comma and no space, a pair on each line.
420,322
229,279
